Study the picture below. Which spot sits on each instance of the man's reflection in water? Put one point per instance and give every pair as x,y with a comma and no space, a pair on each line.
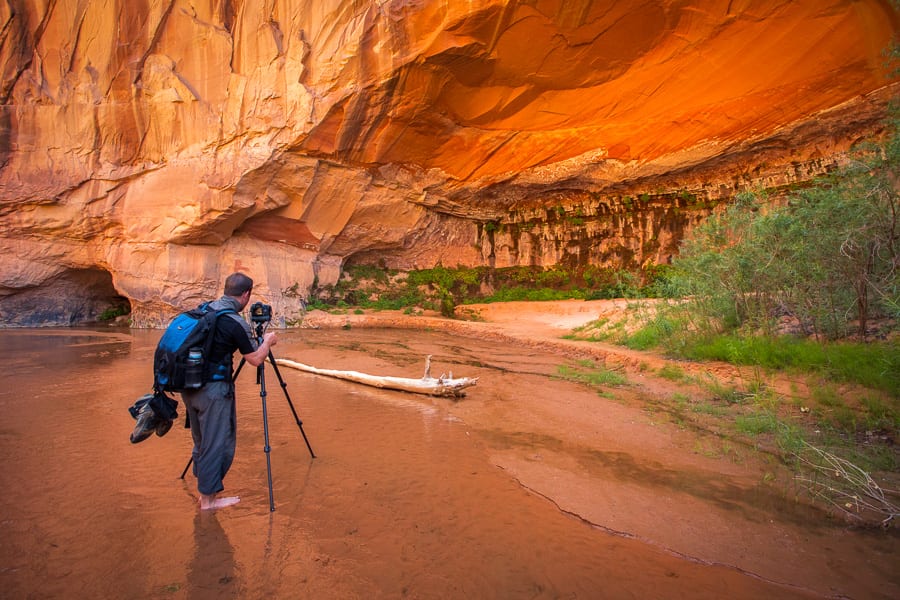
211,573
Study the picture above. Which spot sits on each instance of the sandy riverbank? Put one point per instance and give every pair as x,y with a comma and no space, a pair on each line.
700,521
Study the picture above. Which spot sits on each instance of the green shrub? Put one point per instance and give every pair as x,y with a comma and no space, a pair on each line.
757,423
879,415
661,330
113,312
875,365
672,373
591,375
645,338
370,272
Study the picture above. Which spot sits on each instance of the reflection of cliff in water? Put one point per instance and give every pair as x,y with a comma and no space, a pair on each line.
405,497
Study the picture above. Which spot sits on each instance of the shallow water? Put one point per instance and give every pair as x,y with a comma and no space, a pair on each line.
407,496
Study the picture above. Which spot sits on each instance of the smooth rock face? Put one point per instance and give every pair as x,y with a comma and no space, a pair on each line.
147,149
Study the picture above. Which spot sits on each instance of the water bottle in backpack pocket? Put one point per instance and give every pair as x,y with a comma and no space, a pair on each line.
193,369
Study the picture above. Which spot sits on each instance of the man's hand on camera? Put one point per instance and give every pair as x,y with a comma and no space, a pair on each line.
271,338
258,356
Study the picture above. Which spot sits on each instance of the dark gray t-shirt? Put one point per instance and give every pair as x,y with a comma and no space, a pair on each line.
232,333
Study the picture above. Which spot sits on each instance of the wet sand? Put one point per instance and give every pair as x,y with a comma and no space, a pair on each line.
529,487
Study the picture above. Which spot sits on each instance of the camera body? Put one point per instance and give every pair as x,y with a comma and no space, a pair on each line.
260,313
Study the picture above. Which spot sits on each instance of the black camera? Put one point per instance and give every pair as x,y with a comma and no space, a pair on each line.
260,313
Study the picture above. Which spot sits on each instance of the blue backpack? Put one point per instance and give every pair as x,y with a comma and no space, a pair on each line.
184,349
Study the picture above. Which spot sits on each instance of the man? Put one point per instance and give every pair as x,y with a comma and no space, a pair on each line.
211,409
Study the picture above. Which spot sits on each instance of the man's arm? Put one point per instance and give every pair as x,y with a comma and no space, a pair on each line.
259,356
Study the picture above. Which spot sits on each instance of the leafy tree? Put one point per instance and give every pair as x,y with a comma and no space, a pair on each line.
827,256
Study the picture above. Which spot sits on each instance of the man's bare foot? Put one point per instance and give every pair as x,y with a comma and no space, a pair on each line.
210,502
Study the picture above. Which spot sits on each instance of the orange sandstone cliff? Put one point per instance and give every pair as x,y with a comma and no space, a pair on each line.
149,148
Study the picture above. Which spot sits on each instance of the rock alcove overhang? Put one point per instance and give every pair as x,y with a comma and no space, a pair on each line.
171,143
70,297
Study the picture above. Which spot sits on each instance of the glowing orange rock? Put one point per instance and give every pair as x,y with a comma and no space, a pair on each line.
173,142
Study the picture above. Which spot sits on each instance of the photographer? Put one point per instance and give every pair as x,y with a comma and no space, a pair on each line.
211,409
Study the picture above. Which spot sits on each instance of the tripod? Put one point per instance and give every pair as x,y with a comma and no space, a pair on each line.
261,381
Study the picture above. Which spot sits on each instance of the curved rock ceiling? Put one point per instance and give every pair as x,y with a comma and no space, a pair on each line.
169,143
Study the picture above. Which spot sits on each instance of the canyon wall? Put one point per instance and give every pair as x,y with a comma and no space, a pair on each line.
150,147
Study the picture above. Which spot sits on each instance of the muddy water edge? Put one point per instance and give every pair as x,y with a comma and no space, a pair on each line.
529,487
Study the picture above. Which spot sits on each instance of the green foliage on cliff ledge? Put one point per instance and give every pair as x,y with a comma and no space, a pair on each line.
443,288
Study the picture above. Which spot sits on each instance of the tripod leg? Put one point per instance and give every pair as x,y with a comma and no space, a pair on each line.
291,404
187,466
238,370
261,376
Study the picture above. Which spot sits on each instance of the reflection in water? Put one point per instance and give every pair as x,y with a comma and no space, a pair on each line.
402,500
212,572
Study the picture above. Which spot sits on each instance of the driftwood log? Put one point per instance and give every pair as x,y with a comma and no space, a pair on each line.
445,385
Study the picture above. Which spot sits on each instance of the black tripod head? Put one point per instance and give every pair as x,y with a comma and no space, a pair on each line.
260,329
260,314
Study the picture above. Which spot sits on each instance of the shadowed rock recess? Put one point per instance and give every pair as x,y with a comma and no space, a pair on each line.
149,148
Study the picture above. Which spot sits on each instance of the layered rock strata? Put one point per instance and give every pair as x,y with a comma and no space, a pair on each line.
147,149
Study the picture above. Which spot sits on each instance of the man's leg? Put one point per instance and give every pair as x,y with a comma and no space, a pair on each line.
212,414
